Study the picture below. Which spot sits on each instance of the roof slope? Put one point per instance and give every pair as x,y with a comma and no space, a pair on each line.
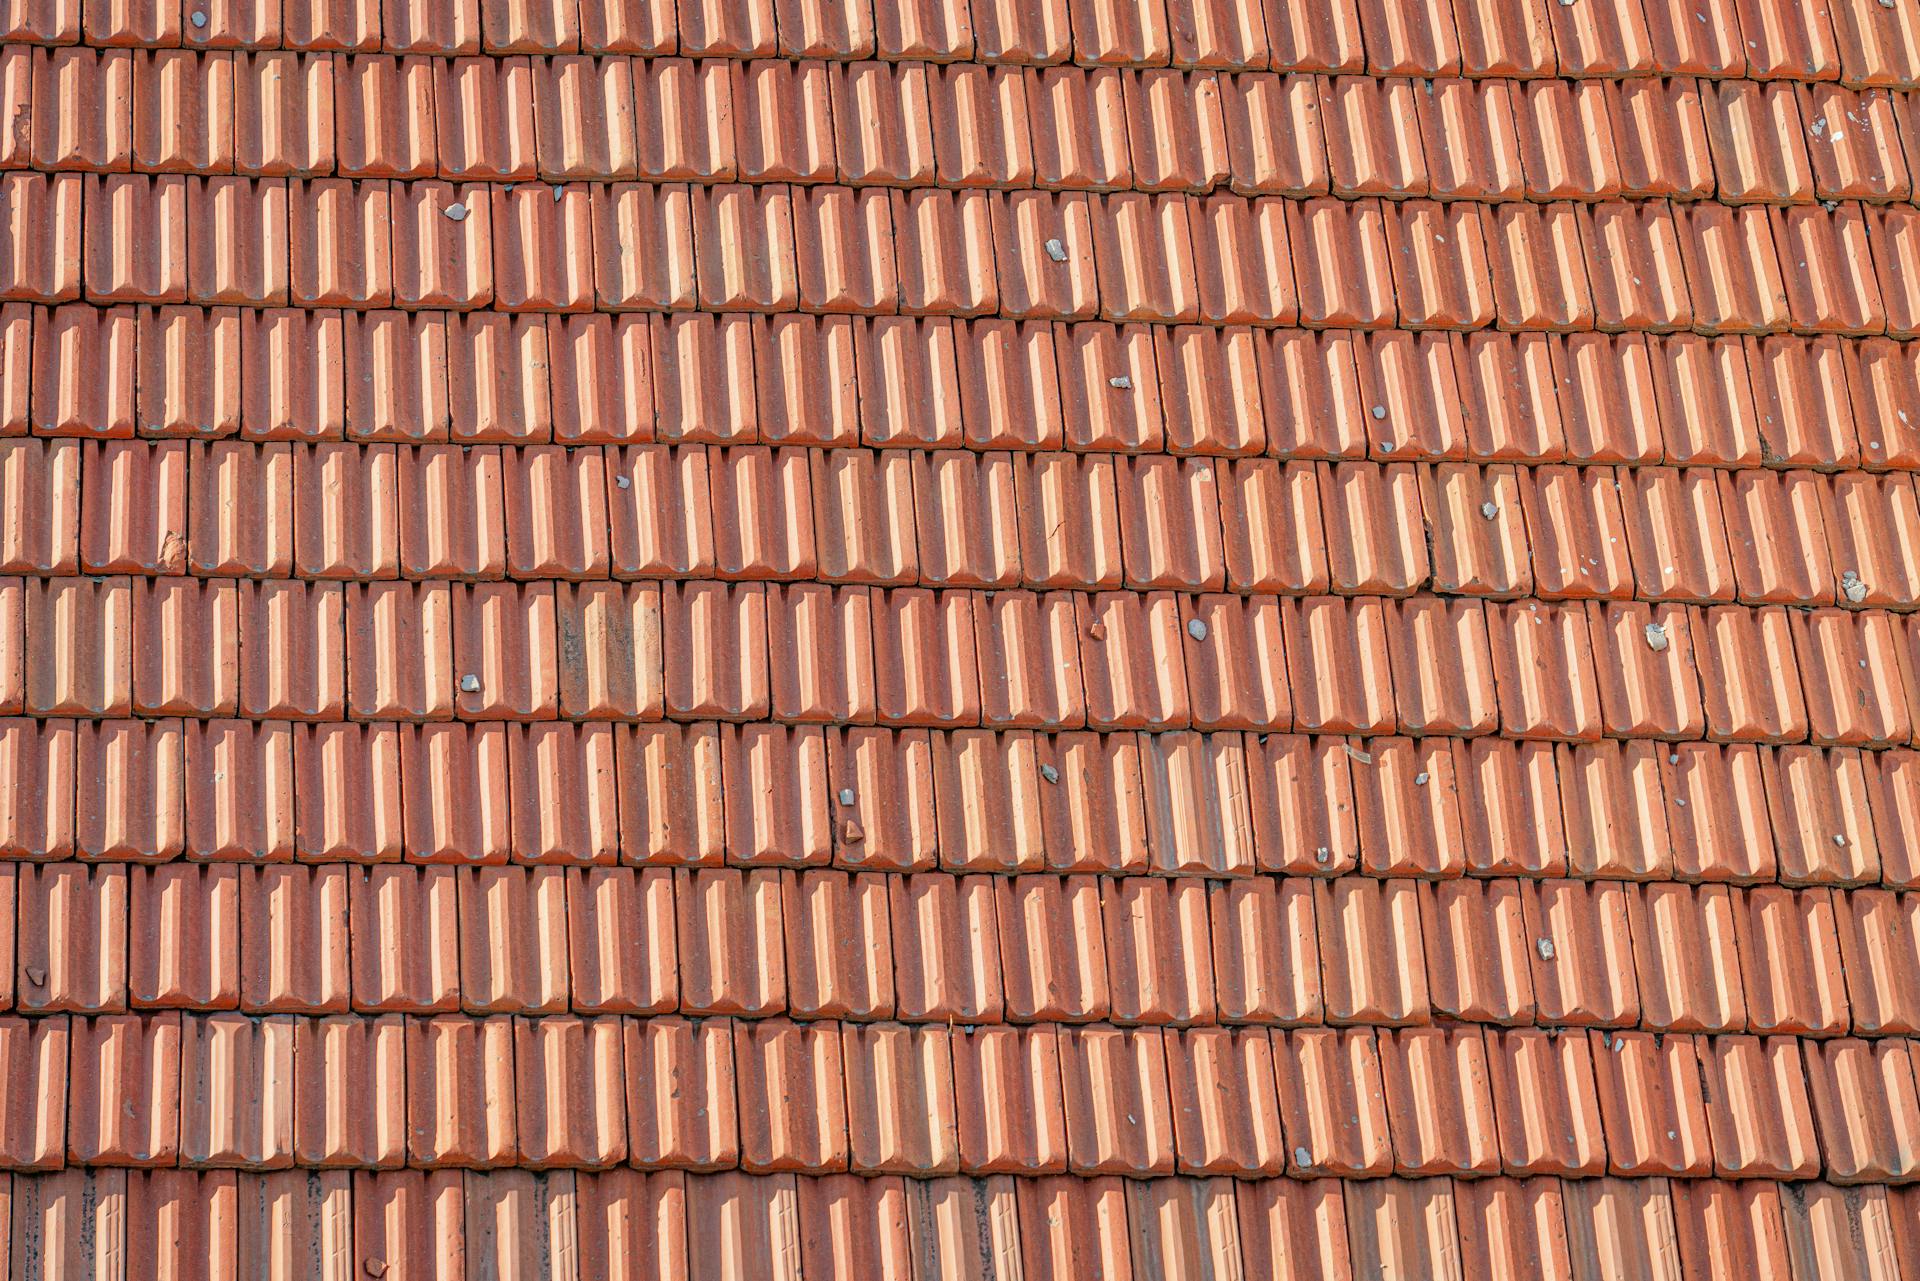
960,639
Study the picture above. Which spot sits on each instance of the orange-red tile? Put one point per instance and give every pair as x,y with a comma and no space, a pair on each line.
1546,1102
680,1102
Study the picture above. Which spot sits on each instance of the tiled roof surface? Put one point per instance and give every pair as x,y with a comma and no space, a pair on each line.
1015,640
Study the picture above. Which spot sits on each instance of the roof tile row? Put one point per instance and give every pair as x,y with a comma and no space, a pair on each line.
972,801
1761,38
228,1091
996,385
1130,257
975,949
985,384
996,520
964,124
624,1224
300,650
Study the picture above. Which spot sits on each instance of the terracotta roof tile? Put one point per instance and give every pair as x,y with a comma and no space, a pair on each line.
1184,774
786,769
1332,1101
1175,129
299,962
1225,1105
1371,136
902,362
900,1099
1539,276
1094,818
1273,134
1438,1101
1270,516
1343,263
1716,815
1476,962
987,807
1408,809
1863,1139
1511,1228
1239,258
1542,663
943,250
1026,1131
946,947
1729,1224
1888,780
1440,267
1212,402
670,1062
1546,1102
1696,37
1604,785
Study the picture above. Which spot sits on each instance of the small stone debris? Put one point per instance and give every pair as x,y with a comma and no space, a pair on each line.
1379,412
1657,637
1196,629
1049,773
469,684
846,796
457,212
1840,839
198,19
851,834
1096,631
1852,587
1365,758
1056,250
558,192
1420,779
1323,856
1302,1157
375,1267
1120,382
1489,511
622,481
1545,948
